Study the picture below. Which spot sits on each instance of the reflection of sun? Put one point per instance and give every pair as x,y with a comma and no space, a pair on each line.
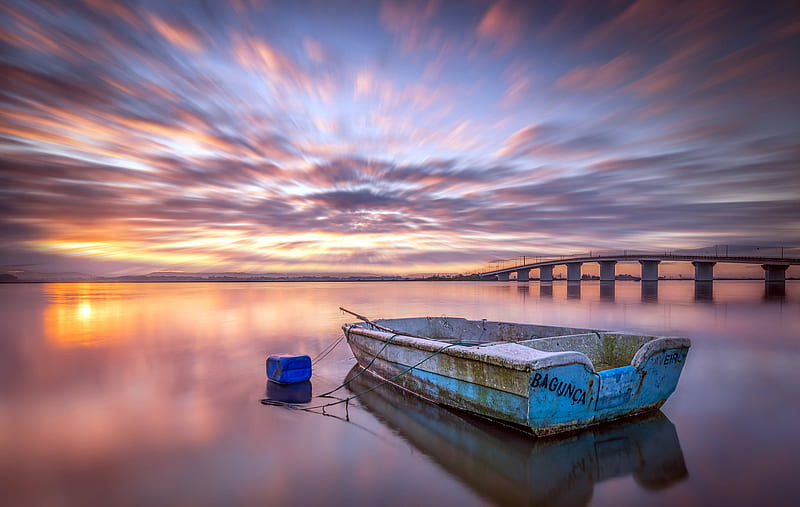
79,316
84,310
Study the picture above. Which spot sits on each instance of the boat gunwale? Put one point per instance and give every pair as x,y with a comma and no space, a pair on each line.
528,357
532,359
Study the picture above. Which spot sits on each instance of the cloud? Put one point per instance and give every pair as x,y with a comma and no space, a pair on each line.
503,24
519,76
246,136
411,21
356,200
660,22
315,51
555,141
183,37
277,69
598,77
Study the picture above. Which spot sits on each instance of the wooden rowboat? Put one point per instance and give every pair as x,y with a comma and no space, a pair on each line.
546,378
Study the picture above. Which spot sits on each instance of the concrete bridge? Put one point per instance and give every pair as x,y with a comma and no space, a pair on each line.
774,268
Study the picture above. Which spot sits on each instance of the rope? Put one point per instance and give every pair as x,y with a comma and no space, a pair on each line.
365,368
327,350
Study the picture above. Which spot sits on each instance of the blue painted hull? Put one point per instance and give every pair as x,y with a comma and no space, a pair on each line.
547,391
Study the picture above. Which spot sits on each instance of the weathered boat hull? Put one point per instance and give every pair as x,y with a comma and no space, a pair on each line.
532,383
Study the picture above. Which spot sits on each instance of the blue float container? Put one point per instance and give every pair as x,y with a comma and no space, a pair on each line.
288,369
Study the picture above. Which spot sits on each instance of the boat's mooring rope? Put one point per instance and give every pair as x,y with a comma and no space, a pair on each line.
365,368
327,350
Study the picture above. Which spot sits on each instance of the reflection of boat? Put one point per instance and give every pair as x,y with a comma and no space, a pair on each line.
509,467
549,379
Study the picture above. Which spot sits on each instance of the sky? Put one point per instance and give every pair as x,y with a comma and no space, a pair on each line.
394,137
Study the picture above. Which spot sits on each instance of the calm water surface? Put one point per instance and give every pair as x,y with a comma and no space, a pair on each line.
134,394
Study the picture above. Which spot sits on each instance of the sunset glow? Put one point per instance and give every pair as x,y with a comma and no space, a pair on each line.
390,137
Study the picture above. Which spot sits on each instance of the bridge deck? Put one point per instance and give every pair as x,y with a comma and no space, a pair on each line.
774,261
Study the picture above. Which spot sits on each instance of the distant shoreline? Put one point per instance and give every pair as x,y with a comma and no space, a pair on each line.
362,280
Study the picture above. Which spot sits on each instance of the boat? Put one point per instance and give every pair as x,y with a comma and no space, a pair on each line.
547,379
507,467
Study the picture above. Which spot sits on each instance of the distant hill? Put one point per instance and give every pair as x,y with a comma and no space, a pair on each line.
36,276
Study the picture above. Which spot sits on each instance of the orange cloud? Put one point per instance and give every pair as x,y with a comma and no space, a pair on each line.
178,36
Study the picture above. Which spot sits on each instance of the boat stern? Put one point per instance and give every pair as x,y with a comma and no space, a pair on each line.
561,397
569,396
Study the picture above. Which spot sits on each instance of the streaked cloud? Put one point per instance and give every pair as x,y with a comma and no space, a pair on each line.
503,24
411,22
399,137
600,76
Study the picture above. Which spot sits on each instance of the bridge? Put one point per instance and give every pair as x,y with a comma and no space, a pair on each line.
774,267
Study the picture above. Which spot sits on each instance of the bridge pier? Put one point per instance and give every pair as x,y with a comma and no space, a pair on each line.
546,273
523,275
703,271
574,271
608,271
503,277
649,270
775,272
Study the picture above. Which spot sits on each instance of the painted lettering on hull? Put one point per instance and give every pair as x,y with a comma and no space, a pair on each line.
561,388
673,357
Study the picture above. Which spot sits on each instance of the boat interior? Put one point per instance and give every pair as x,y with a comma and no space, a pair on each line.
605,349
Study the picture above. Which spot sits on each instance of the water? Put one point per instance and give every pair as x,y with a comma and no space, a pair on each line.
132,394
